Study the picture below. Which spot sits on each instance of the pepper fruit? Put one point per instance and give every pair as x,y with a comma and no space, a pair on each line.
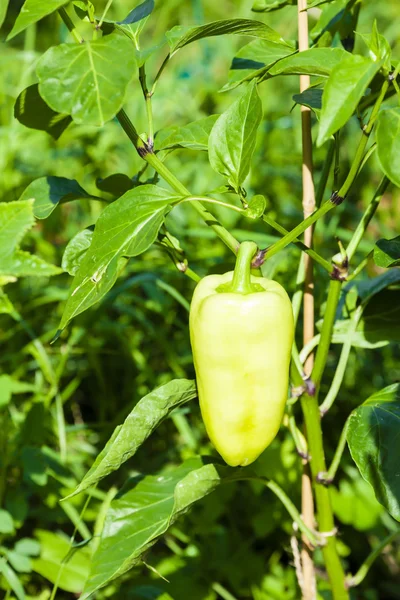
241,332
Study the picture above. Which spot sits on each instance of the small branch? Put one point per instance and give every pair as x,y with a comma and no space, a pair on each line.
362,572
159,72
70,25
360,266
342,364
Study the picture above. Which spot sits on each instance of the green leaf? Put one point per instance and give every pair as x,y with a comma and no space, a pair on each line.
76,250
32,12
254,59
142,513
28,547
19,562
379,48
126,228
193,135
48,192
387,253
388,143
270,5
16,218
6,307
87,81
179,36
256,207
116,184
354,503
335,18
370,287
312,97
316,61
374,442
343,91
140,12
5,390
148,413
32,111
12,579
232,140
6,523
57,563
3,11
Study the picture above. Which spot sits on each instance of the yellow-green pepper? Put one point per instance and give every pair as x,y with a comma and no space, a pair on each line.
241,331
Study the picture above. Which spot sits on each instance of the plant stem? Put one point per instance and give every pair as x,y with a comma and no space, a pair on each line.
366,218
241,281
365,567
325,174
342,364
335,287
338,453
170,178
360,266
70,25
314,255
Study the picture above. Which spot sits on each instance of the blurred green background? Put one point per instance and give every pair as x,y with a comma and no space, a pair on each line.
235,543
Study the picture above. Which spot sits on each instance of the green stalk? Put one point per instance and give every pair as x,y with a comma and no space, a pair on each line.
241,282
325,174
70,25
330,476
335,287
170,178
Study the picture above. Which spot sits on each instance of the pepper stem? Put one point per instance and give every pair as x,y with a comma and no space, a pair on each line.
241,282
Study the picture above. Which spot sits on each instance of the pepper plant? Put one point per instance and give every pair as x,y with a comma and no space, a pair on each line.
337,94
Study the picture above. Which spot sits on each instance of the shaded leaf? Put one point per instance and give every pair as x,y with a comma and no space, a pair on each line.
76,250
354,503
311,98
116,184
179,36
387,253
32,12
388,143
370,287
193,135
148,413
270,5
32,111
57,563
374,442
143,511
126,228
233,138
343,91
87,81
140,12
48,192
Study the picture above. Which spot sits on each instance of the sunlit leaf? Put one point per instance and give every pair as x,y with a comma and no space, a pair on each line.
388,143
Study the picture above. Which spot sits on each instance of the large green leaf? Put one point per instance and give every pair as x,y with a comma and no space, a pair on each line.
233,138
32,111
137,427
374,442
126,228
16,218
179,36
316,61
48,192
142,513
343,91
388,143
193,135
387,253
31,12
3,10
58,564
87,81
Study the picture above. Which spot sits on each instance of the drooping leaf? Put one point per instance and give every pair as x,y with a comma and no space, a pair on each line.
233,138
116,184
388,143
76,250
193,135
179,36
87,81
142,513
57,563
126,228
16,218
137,427
32,111
270,5
387,253
374,442
32,12
48,192
343,91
